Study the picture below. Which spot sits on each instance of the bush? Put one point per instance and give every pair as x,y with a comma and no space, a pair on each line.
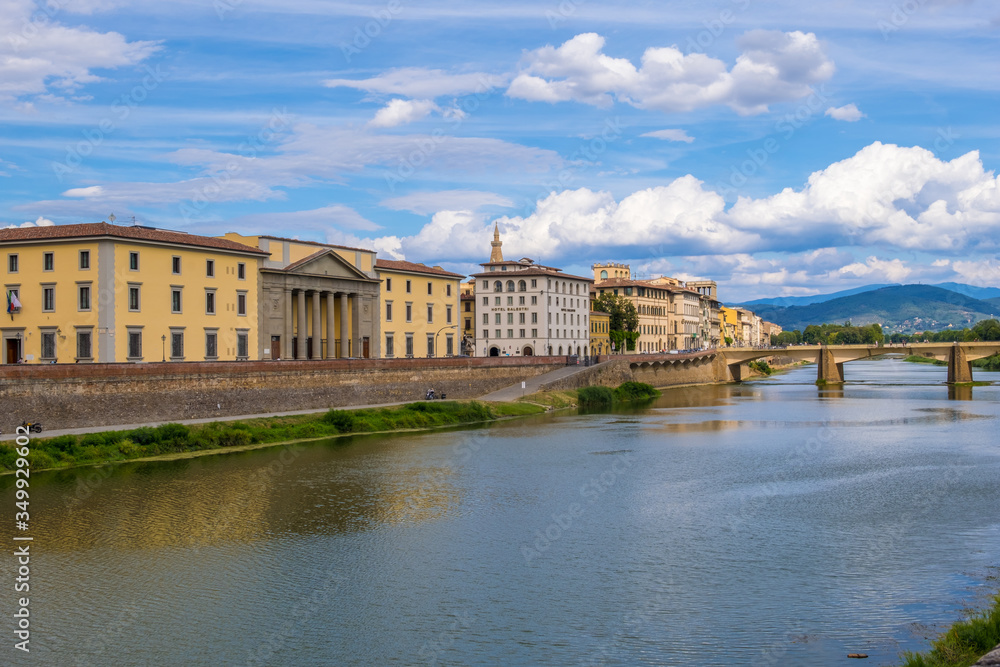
62,443
341,420
635,391
761,367
595,397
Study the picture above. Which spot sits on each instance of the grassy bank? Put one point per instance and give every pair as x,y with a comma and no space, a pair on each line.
72,450
605,397
963,643
991,363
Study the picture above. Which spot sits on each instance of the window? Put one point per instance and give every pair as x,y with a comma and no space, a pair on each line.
497,301
496,318
210,268
468,322
211,344
48,345
430,345
534,333
497,286
48,261
447,290
84,299
241,303
510,318
486,318
510,333
175,299
133,298
534,283
388,311
388,284
499,333
486,300
133,261
521,333
510,285
389,345
430,314
468,306
449,342
522,286
409,286
409,345
409,312
534,318
84,259
520,317
534,301
134,344
510,301
210,302
520,300
447,314
175,265
242,345
12,263
48,298
486,333
430,289
241,271
176,345
83,346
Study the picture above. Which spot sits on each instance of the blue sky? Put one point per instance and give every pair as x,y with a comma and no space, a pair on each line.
779,148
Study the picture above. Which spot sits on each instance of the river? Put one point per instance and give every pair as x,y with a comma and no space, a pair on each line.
768,523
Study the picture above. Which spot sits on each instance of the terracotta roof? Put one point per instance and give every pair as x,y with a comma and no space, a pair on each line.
99,229
413,267
533,271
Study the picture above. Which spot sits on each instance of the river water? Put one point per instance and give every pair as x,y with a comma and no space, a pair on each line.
768,523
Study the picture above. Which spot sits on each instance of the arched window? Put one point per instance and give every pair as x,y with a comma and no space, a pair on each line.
522,286
497,286
604,275
510,285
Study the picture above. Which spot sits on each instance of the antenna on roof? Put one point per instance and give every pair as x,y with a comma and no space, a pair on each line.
134,223
111,218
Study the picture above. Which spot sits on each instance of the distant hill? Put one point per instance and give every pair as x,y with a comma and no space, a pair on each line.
903,308
983,293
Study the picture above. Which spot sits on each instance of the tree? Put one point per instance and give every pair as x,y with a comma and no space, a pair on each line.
624,328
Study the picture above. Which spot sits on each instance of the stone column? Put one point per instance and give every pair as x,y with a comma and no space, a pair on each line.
287,334
344,330
959,367
331,327
317,328
300,347
830,372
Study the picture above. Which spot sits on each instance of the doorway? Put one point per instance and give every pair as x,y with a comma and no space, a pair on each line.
12,351
365,347
275,347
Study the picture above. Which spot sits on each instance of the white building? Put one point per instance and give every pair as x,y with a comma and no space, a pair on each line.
527,309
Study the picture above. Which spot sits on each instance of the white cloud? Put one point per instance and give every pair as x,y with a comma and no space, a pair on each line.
92,191
849,113
774,67
401,112
426,203
985,273
40,222
39,55
874,269
417,82
670,135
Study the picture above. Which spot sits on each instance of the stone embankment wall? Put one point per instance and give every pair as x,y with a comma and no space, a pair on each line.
68,396
683,370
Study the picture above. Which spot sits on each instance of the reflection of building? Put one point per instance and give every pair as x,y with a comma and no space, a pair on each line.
318,301
420,316
104,293
523,308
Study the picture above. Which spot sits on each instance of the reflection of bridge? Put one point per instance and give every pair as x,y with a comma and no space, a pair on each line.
829,359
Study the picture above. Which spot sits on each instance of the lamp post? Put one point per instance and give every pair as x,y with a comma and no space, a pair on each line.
163,346
450,326
20,348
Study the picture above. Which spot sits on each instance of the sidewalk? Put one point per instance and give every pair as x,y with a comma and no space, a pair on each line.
532,385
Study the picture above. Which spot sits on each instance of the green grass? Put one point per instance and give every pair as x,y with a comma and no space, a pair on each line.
597,398
917,359
964,643
72,450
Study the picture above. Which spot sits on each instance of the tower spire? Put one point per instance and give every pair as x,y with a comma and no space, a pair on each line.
496,255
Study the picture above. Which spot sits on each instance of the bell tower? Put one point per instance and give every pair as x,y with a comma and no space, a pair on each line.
496,255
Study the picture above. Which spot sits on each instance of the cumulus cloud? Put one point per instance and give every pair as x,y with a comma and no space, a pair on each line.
420,83
402,112
41,57
849,113
41,221
773,67
670,135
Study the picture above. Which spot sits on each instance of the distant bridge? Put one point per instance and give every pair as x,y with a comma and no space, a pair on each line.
829,359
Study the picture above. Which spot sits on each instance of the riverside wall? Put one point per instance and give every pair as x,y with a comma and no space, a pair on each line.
658,370
71,396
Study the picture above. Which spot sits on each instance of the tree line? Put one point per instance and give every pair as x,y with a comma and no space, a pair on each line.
872,334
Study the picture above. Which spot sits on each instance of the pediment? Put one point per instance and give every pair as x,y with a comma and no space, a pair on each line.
327,263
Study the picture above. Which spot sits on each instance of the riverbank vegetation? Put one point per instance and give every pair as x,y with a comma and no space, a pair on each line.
964,643
761,366
71,450
596,398
991,363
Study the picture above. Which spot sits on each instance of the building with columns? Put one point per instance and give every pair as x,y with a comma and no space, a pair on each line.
317,301
526,309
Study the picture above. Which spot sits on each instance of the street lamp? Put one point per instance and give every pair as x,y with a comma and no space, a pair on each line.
450,326
163,346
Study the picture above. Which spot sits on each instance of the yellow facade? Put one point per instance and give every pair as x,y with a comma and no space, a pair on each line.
99,293
600,327
420,310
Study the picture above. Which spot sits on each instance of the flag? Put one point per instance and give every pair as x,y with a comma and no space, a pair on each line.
12,302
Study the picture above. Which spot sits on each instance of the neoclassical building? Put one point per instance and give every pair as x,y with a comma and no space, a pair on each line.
317,301
526,309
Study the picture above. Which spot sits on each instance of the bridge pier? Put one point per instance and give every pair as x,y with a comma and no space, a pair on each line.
830,372
738,371
959,366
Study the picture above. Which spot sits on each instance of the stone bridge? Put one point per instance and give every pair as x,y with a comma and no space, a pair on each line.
730,364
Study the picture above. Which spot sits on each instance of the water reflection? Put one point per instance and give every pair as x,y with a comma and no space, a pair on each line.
960,392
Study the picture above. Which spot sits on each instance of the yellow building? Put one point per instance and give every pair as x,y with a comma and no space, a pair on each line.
318,301
467,299
600,328
103,293
420,310
652,300
729,323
